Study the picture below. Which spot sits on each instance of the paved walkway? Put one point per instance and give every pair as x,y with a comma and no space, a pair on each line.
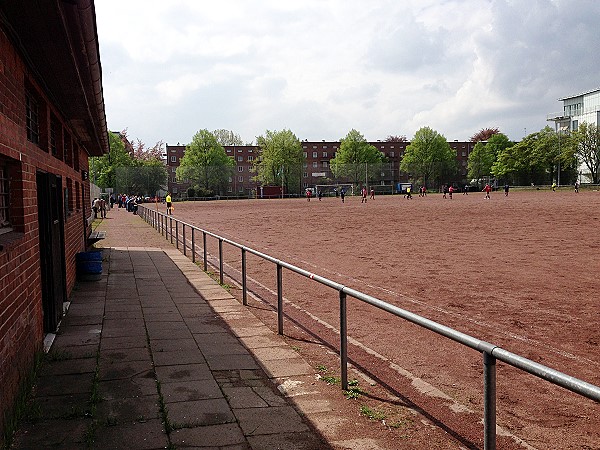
157,355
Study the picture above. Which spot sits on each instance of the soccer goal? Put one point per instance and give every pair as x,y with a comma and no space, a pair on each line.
333,190
383,189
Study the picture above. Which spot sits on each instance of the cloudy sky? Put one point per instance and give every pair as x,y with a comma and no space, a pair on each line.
323,67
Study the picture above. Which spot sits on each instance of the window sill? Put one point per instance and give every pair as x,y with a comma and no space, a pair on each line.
10,239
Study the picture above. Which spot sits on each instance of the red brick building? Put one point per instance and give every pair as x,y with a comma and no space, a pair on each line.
317,156
240,182
51,120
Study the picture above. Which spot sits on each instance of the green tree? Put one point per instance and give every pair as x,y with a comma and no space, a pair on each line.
429,156
533,160
149,176
280,161
484,155
356,159
480,161
585,145
104,168
226,137
206,164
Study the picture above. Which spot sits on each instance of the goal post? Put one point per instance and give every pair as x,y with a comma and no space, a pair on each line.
383,189
330,190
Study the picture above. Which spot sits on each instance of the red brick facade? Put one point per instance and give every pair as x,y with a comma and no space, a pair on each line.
36,138
317,156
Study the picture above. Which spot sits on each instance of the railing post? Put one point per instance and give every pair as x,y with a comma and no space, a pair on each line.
204,249
343,341
279,299
177,234
489,401
221,261
244,286
193,246
171,228
184,242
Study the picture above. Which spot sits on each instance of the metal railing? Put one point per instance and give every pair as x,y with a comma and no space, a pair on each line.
490,352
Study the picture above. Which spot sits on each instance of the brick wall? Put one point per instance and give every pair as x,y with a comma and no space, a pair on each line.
21,317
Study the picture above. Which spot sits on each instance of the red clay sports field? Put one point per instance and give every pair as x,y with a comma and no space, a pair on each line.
520,272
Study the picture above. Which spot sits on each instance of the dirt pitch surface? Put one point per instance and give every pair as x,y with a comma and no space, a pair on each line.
520,272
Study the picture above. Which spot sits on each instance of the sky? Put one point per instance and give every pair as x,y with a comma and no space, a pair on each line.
323,67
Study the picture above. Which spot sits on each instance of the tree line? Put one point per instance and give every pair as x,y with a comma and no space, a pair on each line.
540,158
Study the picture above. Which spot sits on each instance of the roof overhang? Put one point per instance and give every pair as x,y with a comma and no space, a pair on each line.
579,95
58,41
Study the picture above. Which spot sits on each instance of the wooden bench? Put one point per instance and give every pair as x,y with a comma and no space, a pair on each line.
96,236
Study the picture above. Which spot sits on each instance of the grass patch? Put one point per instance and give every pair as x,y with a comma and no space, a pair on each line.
22,406
330,379
372,414
58,355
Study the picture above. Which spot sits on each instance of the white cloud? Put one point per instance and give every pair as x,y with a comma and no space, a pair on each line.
321,67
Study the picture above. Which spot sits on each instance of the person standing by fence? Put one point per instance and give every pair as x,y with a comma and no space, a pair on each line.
169,203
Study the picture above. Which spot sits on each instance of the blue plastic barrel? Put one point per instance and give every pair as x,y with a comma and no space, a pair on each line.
89,265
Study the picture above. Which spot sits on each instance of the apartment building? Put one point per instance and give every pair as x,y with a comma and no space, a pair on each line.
316,168
577,109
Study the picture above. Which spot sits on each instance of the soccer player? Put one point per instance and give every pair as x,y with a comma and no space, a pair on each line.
487,189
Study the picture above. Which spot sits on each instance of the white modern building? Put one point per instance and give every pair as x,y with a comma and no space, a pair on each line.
579,108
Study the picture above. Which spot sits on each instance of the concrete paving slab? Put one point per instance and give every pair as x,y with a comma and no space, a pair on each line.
112,343
63,434
217,436
123,306
116,370
142,385
234,348
231,362
286,367
269,394
78,351
243,397
253,330
128,410
131,354
124,316
172,345
257,421
254,342
182,333
71,406
185,391
71,366
198,327
193,356
148,435
274,353
64,384
194,413
161,317
289,441
183,372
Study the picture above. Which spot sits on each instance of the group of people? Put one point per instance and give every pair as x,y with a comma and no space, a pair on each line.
99,206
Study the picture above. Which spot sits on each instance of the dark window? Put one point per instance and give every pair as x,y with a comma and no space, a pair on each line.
76,157
32,120
68,149
53,136
4,200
